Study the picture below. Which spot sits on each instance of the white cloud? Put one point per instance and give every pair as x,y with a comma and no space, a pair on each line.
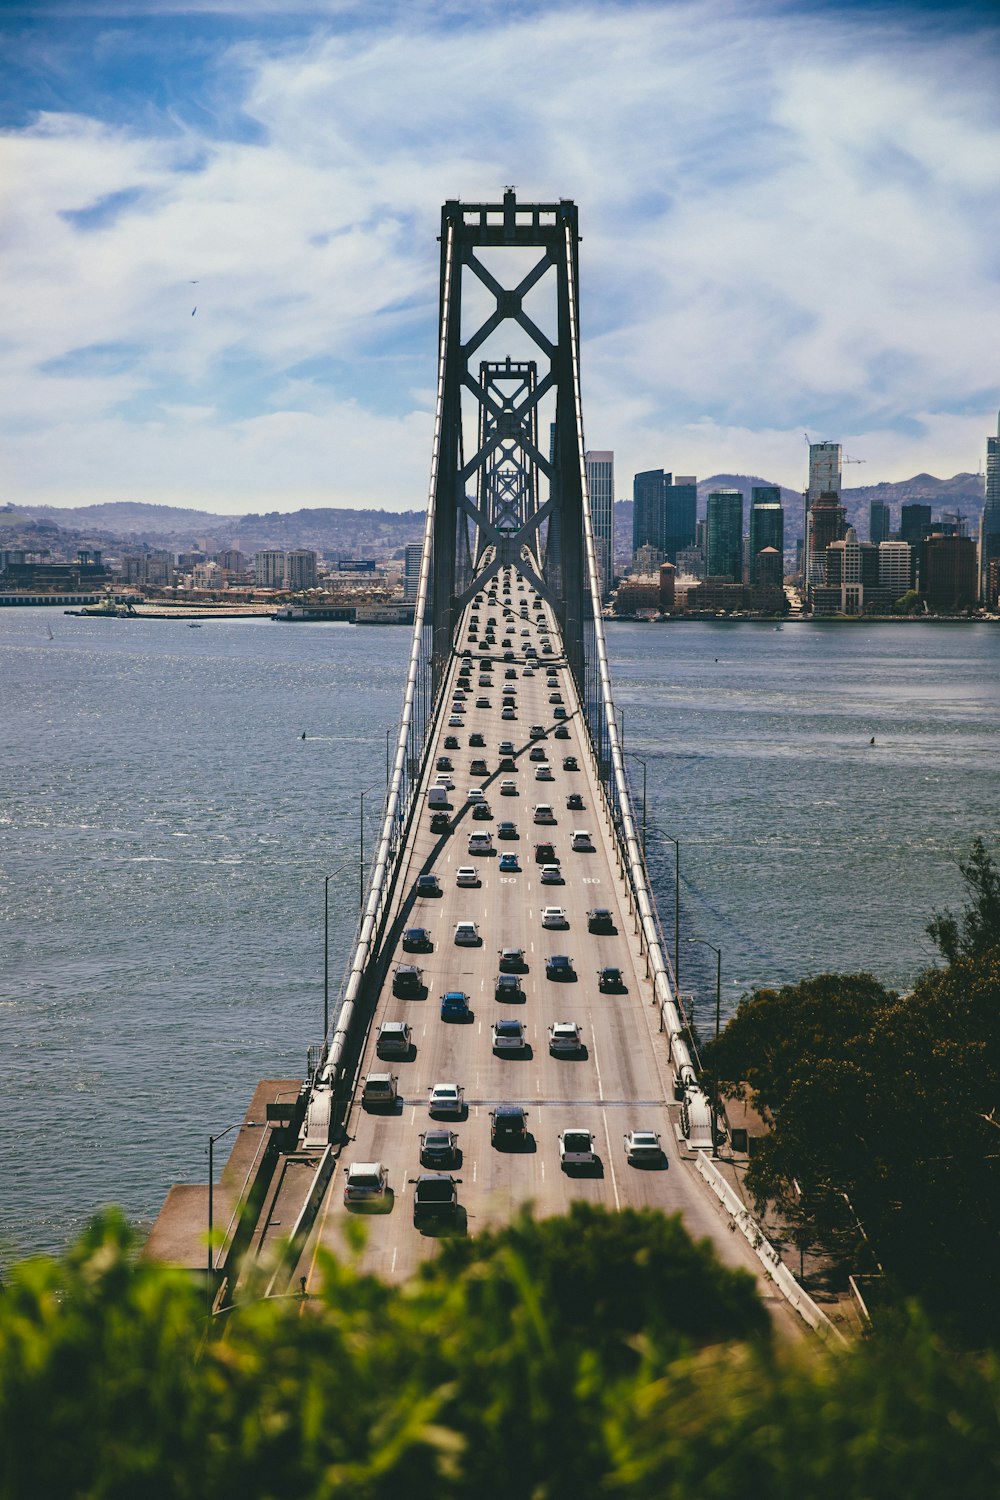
789,222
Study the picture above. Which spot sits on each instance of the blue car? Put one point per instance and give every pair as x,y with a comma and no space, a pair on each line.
509,862
455,1006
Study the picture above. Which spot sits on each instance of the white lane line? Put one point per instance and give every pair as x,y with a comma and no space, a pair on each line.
474,1165
541,1169
392,1268
611,1162
597,1067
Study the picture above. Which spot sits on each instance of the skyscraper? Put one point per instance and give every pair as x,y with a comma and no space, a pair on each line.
767,525
600,465
989,525
878,523
412,555
725,535
682,513
664,512
824,479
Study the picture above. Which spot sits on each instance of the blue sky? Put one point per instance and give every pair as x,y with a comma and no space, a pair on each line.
790,217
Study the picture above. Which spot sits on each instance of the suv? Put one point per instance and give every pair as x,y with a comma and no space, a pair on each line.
508,1125
508,987
564,1036
455,1006
408,982
365,1181
379,1091
600,919
393,1039
512,961
435,1197
417,940
545,854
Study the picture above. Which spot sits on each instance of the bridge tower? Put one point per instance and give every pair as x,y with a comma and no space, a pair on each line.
500,491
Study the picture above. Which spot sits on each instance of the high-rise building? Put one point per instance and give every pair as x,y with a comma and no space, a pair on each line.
949,578
824,479
412,555
725,535
649,509
878,522
682,515
767,527
300,569
989,525
600,464
852,567
895,568
914,523
269,569
827,523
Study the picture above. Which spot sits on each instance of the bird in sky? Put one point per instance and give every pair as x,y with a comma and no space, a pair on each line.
193,311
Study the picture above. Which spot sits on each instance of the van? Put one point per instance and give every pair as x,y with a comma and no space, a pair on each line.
437,796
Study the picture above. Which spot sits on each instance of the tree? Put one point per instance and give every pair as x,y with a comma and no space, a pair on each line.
980,922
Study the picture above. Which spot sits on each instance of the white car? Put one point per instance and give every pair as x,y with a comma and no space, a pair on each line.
564,1036
643,1148
543,773
365,1181
480,843
508,788
582,842
554,916
467,934
576,1148
475,794
455,721
508,1036
443,779
446,1099
543,813
551,875
466,875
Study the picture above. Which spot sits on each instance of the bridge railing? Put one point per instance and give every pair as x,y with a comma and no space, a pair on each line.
603,727
417,718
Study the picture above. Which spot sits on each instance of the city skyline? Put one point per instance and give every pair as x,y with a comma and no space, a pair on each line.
221,279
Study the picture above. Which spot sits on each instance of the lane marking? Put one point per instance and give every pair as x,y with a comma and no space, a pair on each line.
611,1164
597,1067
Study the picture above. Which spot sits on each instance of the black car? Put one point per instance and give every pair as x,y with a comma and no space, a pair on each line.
610,981
417,940
439,822
476,742
428,885
407,981
508,987
574,802
508,763
561,732
600,919
512,961
435,1198
570,763
508,1125
443,763
438,1148
481,812
451,742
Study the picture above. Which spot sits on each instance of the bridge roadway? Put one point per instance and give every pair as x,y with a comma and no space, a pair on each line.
622,1078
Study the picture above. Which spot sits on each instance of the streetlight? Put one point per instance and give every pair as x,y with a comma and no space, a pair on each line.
251,1125
361,849
718,1002
632,756
326,945
656,833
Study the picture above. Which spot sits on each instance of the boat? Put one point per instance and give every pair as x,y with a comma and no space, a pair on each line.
194,624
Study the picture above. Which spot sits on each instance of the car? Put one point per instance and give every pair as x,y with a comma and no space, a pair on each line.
564,1036
365,1182
643,1148
450,742
506,747
475,794
484,645
527,672
544,773
561,732
507,830
446,1099
555,697
467,935
545,854
610,980
543,813
507,714
394,1039
508,1125
551,875
508,763
554,916
440,822
435,1198
537,732
559,966
379,1091
482,812
509,865
525,632
601,919
538,753
512,961
570,763
509,701
509,672
559,713
483,703
576,1148
476,742
574,802
455,721
508,788
443,763
438,1148
428,885
508,656
478,767
466,875
480,843
408,981
508,1035
417,940
455,1006
582,843
485,681
508,987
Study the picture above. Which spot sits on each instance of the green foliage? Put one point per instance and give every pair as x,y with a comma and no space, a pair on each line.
507,1368
909,603
980,922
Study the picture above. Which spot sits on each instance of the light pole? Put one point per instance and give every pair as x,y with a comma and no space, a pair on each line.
251,1124
655,833
718,1003
632,756
361,849
326,945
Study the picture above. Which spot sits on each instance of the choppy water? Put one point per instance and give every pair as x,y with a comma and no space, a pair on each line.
165,831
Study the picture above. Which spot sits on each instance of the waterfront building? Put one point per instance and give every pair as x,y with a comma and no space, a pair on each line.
725,535
412,554
769,570
852,568
668,587
949,574
895,568
646,559
600,467
638,595
878,522
825,478
767,526
989,524
300,569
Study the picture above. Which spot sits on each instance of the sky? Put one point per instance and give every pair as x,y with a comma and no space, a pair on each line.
219,260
